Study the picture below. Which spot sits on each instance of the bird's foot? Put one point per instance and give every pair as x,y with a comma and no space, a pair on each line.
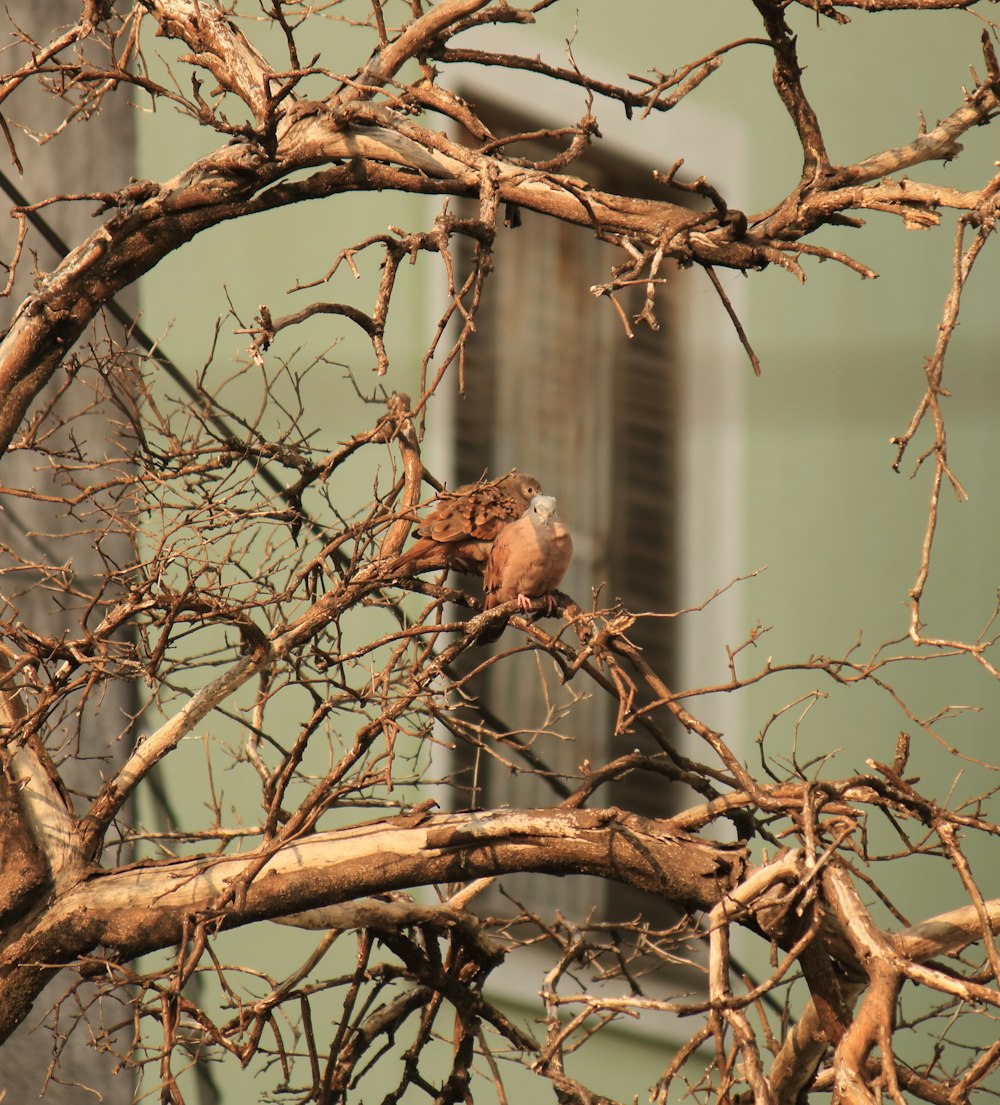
549,603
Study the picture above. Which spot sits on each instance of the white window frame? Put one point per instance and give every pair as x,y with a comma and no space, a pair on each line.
711,392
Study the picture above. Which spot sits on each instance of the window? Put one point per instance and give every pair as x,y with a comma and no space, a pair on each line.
639,441
553,388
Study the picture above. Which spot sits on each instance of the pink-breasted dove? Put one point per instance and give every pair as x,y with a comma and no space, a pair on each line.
460,530
528,560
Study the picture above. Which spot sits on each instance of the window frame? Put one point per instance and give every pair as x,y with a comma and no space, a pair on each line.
711,391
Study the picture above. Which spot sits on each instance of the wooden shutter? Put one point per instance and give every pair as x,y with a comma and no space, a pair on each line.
553,387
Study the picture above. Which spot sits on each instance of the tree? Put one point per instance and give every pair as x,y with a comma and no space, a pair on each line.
237,591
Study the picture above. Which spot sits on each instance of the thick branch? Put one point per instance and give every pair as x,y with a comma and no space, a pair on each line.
244,177
38,827
220,46
142,908
788,83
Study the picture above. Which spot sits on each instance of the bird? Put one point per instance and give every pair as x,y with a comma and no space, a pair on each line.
527,561
460,530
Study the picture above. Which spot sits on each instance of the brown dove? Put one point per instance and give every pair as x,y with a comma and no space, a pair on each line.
460,530
528,560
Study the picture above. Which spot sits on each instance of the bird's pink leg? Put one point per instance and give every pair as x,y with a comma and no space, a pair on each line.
525,603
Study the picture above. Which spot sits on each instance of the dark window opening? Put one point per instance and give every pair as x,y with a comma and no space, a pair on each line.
554,387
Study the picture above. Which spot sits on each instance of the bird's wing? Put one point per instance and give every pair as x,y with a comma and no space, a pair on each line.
477,512
497,571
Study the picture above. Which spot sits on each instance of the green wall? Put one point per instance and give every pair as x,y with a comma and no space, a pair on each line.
842,367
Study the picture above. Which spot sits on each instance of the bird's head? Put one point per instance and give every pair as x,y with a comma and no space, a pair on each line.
522,487
542,509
